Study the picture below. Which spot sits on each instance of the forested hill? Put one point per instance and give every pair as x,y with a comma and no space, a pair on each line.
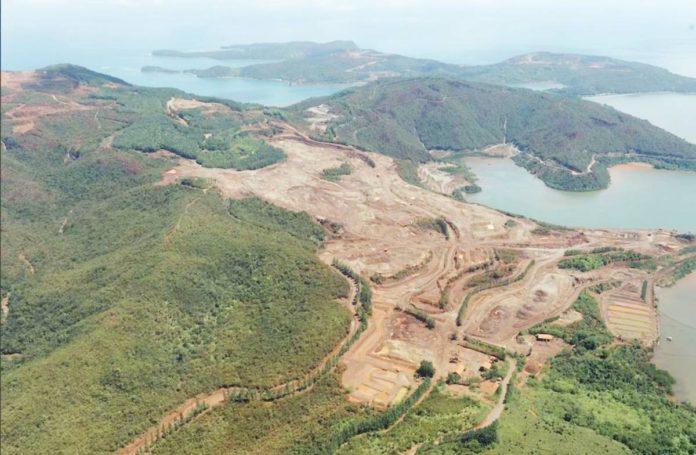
581,74
122,297
567,142
66,77
346,66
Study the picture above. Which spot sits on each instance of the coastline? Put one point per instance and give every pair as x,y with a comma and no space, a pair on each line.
632,166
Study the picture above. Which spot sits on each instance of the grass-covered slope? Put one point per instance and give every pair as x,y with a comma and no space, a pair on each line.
566,141
302,424
127,298
440,414
581,74
609,400
289,426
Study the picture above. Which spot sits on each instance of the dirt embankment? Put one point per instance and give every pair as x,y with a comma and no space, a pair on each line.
435,178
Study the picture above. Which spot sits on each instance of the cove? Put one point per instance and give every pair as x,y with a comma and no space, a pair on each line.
638,197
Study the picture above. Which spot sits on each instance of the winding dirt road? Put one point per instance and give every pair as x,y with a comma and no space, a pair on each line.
499,407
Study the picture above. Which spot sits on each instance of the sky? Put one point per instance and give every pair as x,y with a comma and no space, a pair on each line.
463,31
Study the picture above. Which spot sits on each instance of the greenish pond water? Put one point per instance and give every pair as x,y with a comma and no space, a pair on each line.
638,197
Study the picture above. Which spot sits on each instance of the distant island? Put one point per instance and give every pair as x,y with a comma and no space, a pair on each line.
158,69
266,51
343,62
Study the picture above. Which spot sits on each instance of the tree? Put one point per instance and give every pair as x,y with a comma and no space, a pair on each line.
426,369
453,378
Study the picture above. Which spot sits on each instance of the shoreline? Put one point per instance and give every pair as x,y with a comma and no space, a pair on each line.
632,166
492,171
626,94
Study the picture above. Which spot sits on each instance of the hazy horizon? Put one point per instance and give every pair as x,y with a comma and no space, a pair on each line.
36,33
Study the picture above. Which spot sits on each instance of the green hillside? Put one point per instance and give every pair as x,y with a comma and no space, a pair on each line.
560,138
127,298
341,67
346,67
64,78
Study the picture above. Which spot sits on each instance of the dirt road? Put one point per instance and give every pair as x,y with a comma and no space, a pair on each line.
499,407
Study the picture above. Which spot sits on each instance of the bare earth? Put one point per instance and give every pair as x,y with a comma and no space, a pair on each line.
438,180
5,308
23,117
377,210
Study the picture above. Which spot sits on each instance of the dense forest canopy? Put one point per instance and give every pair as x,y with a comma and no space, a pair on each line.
126,295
